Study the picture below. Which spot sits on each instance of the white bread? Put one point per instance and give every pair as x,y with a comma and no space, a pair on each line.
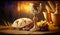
21,22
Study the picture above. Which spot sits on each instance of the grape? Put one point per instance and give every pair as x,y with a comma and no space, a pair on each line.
28,27
44,27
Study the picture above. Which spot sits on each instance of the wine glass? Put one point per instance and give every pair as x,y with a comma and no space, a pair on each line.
35,10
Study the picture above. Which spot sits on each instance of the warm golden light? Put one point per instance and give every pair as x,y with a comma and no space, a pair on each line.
25,6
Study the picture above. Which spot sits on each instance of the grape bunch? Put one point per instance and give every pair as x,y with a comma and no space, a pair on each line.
43,27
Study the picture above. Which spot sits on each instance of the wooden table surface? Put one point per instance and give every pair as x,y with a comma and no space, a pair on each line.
24,32
10,30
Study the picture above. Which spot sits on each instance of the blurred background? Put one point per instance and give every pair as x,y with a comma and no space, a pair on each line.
12,10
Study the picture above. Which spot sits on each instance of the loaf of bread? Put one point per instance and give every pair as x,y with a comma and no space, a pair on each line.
19,23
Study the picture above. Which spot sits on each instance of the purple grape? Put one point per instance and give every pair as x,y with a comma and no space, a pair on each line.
44,27
28,27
